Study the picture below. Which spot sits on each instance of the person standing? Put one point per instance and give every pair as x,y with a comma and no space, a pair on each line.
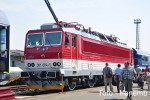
144,75
138,70
107,73
128,75
148,79
146,72
146,69
141,81
118,74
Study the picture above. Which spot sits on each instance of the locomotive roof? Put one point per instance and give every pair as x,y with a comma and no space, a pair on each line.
3,19
96,36
140,52
69,27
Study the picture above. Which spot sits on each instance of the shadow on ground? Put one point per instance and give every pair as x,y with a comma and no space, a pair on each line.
114,99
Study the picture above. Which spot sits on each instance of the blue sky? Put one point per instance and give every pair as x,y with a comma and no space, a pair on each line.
105,16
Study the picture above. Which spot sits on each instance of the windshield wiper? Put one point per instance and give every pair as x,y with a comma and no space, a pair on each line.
48,41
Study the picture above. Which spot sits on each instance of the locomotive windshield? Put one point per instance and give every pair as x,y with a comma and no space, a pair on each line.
35,40
53,38
38,39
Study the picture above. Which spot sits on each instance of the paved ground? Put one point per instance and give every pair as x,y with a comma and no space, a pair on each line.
95,93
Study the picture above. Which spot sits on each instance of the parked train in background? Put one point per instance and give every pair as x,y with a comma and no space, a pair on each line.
8,75
141,58
4,46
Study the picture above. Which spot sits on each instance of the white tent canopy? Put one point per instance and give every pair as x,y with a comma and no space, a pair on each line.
3,19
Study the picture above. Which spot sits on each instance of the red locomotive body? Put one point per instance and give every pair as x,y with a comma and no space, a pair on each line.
76,53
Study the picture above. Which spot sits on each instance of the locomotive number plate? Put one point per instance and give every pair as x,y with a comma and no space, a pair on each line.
43,65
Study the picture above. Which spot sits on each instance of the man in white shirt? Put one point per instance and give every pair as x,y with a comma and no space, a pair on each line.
118,74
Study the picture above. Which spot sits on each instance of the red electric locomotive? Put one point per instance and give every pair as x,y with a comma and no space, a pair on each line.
66,54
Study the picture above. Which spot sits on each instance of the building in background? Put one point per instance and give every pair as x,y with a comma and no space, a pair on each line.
16,66
16,58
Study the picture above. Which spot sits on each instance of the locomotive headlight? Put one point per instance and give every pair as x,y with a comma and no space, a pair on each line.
58,63
29,65
32,64
54,64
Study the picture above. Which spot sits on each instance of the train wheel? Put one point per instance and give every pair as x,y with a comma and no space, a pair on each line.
71,85
91,83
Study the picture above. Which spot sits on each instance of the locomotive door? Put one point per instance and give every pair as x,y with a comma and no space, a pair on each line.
4,48
74,50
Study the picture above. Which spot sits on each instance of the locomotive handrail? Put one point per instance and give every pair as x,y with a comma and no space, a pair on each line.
58,55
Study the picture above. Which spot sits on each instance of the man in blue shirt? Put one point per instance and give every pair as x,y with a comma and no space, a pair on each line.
118,74
128,75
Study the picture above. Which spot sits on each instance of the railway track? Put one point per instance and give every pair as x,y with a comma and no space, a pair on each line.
17,88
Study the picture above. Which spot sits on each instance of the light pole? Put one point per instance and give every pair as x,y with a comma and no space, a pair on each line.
137,22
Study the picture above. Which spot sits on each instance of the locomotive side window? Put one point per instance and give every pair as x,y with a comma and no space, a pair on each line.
74,41
144,58
35,40
66,39
3,49
53,38
2,39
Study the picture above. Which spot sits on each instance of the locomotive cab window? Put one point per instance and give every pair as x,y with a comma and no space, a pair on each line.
74,41
2,39
35,40
53,38
144,58
66,39
3,49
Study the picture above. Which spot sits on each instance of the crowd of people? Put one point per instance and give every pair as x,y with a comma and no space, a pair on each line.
143,75
124,77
